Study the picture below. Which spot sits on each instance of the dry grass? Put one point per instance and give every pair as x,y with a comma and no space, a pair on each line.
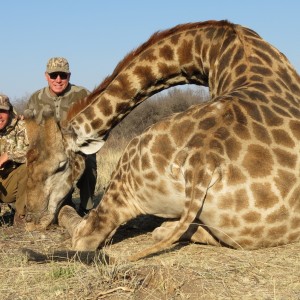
187,271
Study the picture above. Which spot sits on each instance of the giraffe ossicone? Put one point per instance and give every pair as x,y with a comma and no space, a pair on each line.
231,164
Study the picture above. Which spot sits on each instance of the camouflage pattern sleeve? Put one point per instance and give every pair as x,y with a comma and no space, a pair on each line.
17,143
34,104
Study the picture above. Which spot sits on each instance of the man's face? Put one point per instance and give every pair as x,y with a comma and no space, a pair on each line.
4,118
57,81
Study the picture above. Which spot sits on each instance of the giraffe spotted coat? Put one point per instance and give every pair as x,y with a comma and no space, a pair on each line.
231,165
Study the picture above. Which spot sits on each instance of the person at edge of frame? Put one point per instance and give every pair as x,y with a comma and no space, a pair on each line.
13,170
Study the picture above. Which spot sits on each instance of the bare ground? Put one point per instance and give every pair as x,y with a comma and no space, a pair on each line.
187,271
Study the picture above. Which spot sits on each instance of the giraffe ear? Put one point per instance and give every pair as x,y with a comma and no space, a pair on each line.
86,145
90,146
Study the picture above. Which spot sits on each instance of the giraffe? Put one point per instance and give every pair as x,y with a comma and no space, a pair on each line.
230,165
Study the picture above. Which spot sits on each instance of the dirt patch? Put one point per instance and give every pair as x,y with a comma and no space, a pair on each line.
187,271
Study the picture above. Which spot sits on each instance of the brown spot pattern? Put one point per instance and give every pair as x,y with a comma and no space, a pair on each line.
151,176
167,69
122,107
185,52
242,131
145,162
294,202
293,237
228,117
196,141
160,163
252,217
222,133
281,137
145,75
236,201
239,115
80,120
105,107
148,55
258,161
278,231
90,113
216,146
228,221
162,145
295,223
207,123
279,215
121,88
252,110
254,232
261,133
241,200
235,176
166,52
87,128
96,123
263,195
181,131
285,159
271,118
225,202
284,182
243,242
295,127
233,148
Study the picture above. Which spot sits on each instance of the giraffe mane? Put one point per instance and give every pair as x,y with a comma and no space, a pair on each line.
157,36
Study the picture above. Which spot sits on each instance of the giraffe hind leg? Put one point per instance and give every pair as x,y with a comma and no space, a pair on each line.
195,233
196,188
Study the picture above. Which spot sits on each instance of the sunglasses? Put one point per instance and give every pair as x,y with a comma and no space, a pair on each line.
62,75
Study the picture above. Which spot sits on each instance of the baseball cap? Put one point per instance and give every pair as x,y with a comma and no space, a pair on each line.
4,102
57,64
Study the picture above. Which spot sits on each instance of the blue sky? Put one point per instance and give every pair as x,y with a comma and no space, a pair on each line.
94,35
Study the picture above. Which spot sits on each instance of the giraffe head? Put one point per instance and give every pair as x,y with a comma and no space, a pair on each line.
55,163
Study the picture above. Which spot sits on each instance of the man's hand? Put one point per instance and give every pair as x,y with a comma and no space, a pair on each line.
3,159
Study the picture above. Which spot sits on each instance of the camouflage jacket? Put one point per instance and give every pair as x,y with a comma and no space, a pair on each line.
42,100
13,141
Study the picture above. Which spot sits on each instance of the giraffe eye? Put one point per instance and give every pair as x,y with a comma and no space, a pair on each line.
61,166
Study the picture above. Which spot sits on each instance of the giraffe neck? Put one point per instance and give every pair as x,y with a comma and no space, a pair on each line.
226,57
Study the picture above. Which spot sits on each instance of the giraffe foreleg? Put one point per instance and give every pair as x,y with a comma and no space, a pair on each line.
69,219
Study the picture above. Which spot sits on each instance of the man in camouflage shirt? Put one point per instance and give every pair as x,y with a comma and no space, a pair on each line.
57,97
13,149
